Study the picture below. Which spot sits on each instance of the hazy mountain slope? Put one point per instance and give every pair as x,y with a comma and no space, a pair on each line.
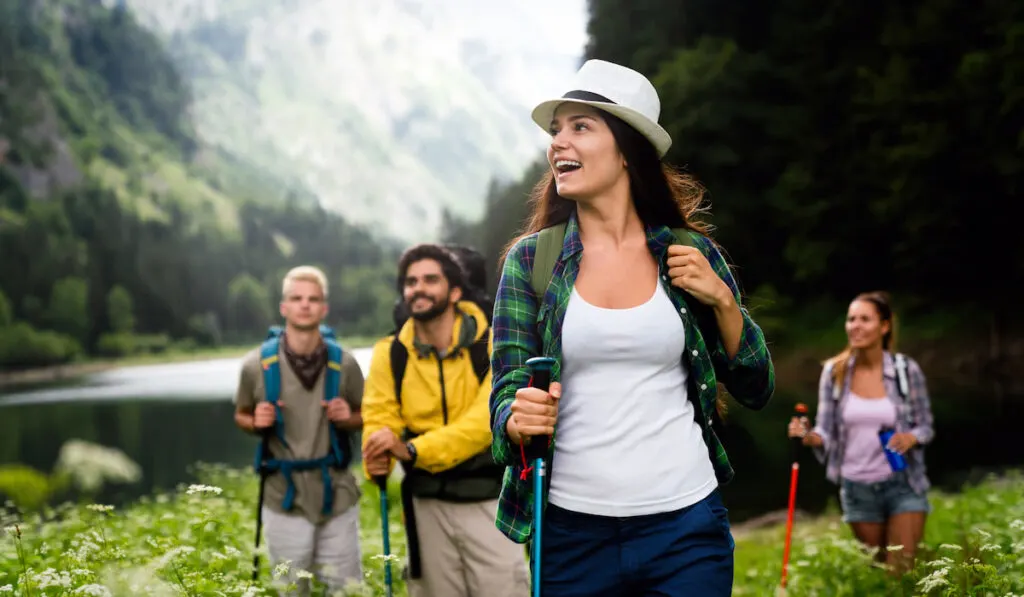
384,108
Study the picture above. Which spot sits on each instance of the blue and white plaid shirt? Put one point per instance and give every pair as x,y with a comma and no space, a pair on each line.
913,414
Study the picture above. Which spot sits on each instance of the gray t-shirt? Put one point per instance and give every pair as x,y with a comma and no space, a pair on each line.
306,431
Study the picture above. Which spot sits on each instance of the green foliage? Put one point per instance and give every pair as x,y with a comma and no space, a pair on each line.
248,302
845,146
120,312
28,488
21,345
68,310
137,256
121,344
198,540
6,315
971,547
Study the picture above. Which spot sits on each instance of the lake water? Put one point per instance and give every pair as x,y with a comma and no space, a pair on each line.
168,417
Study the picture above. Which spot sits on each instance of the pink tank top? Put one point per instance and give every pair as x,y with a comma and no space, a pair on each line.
863,459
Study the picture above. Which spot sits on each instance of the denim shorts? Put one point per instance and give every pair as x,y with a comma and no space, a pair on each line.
876,502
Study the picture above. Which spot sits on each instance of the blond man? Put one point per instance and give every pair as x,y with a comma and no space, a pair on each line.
302,394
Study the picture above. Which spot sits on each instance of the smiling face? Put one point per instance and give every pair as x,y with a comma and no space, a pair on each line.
583,155
426,290
864,326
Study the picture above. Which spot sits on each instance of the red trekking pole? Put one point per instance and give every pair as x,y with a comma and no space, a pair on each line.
796,442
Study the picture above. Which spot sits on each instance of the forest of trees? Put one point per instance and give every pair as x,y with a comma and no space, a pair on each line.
844,146
98,268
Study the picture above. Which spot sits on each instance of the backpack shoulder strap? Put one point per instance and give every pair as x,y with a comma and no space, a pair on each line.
683,236
399,359
269,363
271,366
479,356
549,247
332,378
837,385
902,381
332,389
702,313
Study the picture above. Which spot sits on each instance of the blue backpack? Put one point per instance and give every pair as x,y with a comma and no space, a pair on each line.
339,456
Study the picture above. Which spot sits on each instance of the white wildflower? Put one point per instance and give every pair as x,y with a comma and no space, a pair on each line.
100,508
91,465
93,590
934,580
51,578
196,489
951,547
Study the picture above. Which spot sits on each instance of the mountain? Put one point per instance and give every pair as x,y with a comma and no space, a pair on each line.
390,111
121,230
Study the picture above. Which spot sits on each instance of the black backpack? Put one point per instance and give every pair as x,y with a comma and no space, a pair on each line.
475,268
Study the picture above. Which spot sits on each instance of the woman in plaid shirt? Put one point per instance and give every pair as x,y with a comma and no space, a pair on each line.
860,393
643,319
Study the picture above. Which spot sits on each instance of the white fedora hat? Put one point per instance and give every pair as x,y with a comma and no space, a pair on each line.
616,89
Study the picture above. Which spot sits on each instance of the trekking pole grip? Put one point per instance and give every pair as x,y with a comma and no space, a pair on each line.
799,411
540,378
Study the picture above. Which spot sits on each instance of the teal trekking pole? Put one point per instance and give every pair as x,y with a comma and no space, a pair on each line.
536,449
382,484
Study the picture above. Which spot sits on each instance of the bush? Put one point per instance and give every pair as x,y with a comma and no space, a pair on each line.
22,346
126,344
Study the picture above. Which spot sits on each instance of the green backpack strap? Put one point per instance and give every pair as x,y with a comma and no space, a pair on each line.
549,247
683,236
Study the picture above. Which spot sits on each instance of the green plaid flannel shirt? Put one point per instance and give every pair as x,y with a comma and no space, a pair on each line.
525,327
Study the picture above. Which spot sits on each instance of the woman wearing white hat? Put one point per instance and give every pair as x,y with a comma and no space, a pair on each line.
638,308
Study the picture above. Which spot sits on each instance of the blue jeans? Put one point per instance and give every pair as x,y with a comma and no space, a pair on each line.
680,553
876,502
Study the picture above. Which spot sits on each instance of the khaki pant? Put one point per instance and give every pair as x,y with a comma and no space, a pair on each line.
462,553
330,551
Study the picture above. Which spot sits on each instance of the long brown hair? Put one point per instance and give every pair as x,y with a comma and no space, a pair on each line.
881,301
662,194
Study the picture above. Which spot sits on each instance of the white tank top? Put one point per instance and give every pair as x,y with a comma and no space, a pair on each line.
627,441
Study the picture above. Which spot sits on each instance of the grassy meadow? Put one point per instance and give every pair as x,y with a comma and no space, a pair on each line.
198,541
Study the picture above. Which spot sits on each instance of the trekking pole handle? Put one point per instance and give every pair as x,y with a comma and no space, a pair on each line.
799,411
540,378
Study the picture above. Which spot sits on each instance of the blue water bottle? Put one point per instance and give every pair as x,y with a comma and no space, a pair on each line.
896,460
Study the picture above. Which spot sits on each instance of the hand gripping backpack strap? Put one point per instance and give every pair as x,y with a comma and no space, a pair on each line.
702,313
271,366
270,363
336,456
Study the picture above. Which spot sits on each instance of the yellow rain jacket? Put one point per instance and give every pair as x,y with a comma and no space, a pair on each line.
444,404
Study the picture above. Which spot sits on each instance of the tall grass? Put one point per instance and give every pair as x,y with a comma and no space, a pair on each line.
198,541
